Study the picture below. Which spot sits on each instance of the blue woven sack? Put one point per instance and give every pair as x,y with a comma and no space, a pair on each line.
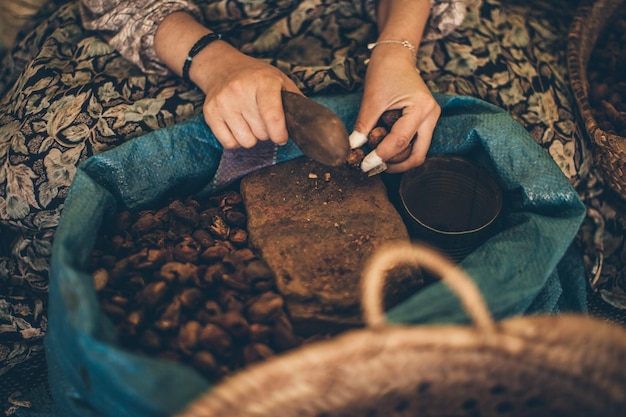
526,268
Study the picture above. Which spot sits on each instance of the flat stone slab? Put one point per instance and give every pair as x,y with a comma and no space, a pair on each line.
316,226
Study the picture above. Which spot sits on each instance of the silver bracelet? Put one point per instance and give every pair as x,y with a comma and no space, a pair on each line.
404,43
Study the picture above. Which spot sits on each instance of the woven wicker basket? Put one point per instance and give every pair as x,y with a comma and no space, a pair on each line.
609,149
527,366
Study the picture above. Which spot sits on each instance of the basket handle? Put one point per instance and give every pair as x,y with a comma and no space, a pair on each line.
374,274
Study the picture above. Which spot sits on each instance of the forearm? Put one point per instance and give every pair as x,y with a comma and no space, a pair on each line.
242,102
402,20
401,28
175,37
401,25
444,16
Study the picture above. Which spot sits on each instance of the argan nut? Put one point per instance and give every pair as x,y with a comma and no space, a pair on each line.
259,275
213,273
150,340
153,294
186,250
376,136
184,212
170,319
119,300
235,218
283,335
214,253
230,198
137,282
236,280
190,298
245,254
144,224
232,263
260,332
389,117
147,258
265,308
238,237
188,336
231,300
114,311
234,323
178,272
355,157
212,308
257,269
136,318
204,361
123,221
203,237
180,227
219,228
100,279
215,339
257,352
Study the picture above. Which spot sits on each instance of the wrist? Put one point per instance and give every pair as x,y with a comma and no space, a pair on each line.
202,43
210,62
392,51
395,43
175,37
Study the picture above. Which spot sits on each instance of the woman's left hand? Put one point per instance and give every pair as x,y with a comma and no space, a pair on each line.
393,82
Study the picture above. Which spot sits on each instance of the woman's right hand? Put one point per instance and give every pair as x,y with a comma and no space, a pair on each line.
243,101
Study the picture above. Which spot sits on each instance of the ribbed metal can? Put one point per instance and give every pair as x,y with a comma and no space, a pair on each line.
450,203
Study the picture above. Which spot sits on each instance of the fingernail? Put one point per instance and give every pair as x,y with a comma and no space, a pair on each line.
357,139
371,161
377,170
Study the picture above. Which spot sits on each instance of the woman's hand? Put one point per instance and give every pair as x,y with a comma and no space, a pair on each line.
243,101
393,82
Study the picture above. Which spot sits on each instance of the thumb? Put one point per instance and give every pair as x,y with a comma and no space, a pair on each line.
365,122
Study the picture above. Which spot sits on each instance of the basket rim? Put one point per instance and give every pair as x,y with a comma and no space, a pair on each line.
577,64
609,149
384,353
323,362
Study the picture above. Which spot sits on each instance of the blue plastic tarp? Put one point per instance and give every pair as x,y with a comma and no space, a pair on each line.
526,268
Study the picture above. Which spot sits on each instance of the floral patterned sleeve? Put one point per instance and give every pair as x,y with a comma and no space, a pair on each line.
445,16
130,26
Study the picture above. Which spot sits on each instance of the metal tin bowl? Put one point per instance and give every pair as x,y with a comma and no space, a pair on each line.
450,203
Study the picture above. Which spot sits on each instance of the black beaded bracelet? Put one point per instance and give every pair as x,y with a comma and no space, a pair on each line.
198,46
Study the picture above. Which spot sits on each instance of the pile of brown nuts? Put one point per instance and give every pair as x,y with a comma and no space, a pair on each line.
607,78
181,283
